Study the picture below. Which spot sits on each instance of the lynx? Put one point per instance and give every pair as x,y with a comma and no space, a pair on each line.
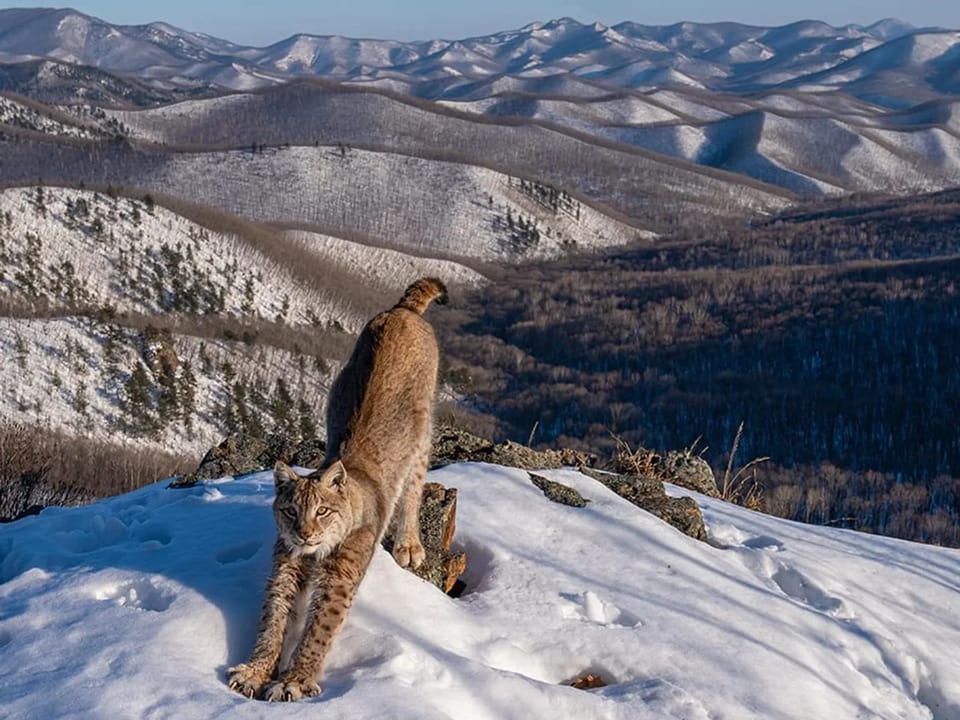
379,418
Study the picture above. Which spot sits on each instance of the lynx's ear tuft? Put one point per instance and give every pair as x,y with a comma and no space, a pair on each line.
283,474
335,475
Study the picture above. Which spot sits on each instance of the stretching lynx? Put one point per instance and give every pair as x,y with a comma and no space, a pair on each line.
379,417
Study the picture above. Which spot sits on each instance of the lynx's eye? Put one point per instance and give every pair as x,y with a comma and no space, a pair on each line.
323,512
289,512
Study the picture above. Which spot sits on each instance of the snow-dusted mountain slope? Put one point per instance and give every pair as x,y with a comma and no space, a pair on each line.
744,99
429,206
83,274
135,606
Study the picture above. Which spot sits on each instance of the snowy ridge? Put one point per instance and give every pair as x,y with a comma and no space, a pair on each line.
20,115
136,605
64,249
66,383
727,57
655,88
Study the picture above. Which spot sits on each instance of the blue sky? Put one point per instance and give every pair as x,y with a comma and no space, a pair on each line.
259,23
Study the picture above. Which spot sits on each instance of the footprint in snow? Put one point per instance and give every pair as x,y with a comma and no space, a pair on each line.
142,594
238,553
730,537
797,586
588,606
659,695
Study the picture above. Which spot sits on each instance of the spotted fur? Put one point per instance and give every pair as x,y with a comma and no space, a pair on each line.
379,420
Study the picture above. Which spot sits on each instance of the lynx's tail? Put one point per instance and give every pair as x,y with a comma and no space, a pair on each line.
421,293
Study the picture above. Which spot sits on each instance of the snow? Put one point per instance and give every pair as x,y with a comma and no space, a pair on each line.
135,606
20,115
375,265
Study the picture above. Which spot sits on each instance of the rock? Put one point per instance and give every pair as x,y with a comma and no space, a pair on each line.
438,515
309,453
558,492
240,454
681,468
451,445
159,352
648,493
689,471
455,445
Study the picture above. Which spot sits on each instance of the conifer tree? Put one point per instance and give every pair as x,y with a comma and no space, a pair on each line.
306,422
137,402
281,409
187,394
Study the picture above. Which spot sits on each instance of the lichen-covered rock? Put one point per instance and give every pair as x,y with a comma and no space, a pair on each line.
455,445
240,454
682,468
309,453
438,522
648,493
691,471
451,444
558,492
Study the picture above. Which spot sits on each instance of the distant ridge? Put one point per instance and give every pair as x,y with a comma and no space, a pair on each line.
723,57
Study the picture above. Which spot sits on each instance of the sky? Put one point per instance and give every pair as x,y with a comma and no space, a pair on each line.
257,23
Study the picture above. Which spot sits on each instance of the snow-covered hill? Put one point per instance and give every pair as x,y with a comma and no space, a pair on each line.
84,274
733,97
428,206
134,607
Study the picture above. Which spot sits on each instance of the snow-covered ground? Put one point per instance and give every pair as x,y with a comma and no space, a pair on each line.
74,248
134,607
427,207
20,115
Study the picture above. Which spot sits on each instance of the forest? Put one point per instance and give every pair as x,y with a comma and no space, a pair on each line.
831,332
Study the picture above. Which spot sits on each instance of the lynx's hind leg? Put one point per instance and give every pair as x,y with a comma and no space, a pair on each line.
407,548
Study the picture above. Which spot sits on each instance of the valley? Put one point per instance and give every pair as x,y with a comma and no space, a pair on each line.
650,234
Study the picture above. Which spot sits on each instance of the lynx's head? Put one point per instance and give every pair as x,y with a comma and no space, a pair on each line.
312,513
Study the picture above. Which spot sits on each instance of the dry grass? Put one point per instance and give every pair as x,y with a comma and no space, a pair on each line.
634,462
742,487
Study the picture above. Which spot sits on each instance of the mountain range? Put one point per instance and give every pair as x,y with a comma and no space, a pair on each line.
561,56
807,108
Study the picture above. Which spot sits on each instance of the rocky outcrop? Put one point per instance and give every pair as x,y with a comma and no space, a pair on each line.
438,522
159,351
682,468
451,445
558,492
241,454
689,471
648,493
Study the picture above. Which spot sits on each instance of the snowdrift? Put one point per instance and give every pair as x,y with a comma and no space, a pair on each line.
135,606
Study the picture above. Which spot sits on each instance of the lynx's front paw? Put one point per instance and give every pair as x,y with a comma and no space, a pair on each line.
409,554
290,690
247,679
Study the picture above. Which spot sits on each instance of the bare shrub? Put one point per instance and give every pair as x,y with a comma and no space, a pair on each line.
41,467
